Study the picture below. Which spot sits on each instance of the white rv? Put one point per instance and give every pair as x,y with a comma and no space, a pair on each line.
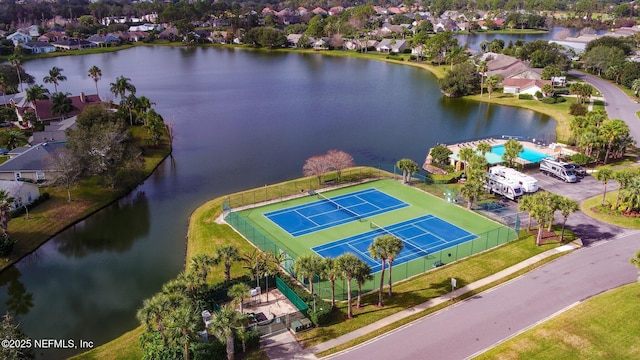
529,183
562,171
499,185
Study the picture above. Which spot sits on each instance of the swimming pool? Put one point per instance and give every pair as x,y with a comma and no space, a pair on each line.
526,154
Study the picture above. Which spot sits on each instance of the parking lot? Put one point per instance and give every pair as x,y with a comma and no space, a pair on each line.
584,226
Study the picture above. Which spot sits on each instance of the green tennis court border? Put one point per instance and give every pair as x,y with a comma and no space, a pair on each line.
270,237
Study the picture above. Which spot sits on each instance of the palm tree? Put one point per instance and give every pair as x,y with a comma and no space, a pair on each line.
362,274
4,84
604,175
120,87
307,266
408,167
482,69
272,266
512,148
526,204
201,264
13,138
238,293
182,325
55,77
348,264
465,155
96,74
223,323
153,311
472,190
492,82
542,211
331,272
255,263
623,177
394,247
16,61
612,130
35,93
566,207
154,123
142,105
631,194
484,148
379,251
635,261
227,254
130,101
61,104
635,86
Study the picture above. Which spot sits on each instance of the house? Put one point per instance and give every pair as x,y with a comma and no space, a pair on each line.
54,132
38,47
391,45
356,44
19,37
30,164
32,30
53,36
508,67
43,107
22,192
319,11
104,40
170,34
336,10
73,44
524,86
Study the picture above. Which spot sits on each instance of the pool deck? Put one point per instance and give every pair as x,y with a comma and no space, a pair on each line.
553,149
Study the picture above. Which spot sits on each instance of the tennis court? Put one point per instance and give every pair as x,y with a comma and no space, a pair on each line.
420,236
338,210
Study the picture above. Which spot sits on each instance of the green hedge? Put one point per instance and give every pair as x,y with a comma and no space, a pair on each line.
525,97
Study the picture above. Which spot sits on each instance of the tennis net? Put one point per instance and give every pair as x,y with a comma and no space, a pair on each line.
341,208
413,245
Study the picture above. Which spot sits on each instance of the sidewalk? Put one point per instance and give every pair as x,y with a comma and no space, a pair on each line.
284,346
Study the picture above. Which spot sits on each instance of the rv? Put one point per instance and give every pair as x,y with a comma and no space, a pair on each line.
529,183
562,171
508,188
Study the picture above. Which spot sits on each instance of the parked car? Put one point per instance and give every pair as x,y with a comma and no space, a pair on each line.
579,171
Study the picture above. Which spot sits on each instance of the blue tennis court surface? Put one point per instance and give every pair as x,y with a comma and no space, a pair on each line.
421,236
325,213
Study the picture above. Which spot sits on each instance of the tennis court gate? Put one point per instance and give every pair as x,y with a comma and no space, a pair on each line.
264,242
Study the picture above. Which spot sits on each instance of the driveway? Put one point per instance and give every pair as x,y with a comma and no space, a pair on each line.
617,103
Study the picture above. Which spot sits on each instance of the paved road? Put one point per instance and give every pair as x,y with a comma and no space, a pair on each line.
486,319
617,103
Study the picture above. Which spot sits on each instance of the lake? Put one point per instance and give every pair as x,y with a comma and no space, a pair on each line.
243,119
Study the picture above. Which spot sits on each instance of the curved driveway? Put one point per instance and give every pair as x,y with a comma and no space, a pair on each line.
617,103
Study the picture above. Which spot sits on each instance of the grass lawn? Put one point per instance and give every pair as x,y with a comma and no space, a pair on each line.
426,286
590,206
205,234
57,213
593,329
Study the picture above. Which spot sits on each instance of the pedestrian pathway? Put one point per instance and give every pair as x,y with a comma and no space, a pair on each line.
284,346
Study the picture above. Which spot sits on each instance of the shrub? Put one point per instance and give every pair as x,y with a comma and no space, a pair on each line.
213,349
6,244
525,97
539,95
581,159
577,110
549,100
322,315
252,341
392,57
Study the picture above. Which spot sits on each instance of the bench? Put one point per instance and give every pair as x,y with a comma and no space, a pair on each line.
437,263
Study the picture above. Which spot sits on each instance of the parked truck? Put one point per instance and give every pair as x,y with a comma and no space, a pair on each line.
528,183
506,187
558,169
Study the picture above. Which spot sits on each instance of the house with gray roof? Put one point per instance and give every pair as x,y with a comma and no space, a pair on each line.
31,163
38,47
391,45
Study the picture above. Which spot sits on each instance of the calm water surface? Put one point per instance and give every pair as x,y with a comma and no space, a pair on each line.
243,119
